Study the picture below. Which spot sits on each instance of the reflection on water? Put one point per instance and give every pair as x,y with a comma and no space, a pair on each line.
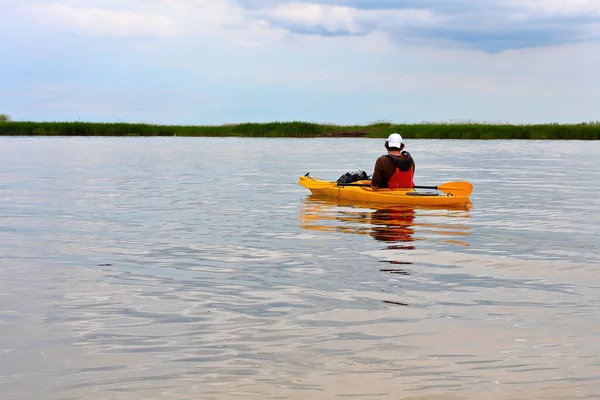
394,225
136,269
398,227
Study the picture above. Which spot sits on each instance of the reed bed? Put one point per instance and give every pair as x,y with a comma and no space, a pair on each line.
449,130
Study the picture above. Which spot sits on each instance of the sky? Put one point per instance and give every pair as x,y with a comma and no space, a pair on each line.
213,62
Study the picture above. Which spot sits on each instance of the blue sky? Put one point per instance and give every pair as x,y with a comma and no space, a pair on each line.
212,62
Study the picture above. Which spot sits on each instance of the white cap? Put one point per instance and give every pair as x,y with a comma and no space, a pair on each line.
394,140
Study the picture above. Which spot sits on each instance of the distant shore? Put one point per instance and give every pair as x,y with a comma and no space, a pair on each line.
581,131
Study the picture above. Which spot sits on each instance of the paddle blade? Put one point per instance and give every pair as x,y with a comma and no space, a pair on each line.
456,188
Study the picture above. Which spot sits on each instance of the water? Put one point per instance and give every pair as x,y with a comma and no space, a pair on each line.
188,268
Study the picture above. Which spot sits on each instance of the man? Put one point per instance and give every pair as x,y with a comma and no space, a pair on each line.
395,169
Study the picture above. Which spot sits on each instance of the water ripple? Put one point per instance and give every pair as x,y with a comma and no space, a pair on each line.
133,268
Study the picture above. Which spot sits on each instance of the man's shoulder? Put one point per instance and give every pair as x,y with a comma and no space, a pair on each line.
403,156
386,157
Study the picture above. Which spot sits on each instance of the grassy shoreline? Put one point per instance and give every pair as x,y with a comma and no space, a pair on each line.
582,131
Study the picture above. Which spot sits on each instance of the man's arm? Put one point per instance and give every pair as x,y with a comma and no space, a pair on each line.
377,171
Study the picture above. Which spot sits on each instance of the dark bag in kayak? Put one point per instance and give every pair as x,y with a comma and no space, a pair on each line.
350,177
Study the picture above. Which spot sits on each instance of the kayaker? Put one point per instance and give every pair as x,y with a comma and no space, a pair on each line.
395,169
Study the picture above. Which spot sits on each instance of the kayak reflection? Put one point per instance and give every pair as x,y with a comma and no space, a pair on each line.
393,224
398,226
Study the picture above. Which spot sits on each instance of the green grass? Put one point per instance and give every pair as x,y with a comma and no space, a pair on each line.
452,130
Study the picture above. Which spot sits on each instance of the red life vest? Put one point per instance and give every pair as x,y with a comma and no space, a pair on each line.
403,175
401,179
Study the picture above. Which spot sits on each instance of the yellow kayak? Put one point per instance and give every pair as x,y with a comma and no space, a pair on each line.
452,194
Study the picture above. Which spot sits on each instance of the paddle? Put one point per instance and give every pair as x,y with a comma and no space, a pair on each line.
454,188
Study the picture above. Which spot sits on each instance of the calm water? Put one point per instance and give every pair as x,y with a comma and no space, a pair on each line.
194,268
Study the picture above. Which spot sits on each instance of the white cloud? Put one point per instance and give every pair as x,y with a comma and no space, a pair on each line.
170,19
488,25
283,60
204,14
560,8
103,22
333,19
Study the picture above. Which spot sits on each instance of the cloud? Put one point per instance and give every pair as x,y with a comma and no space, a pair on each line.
560,8
222,61
487,25
334,20
136,18
312,18
105,22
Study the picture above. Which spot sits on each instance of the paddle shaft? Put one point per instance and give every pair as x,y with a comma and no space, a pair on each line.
367,185
452,188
